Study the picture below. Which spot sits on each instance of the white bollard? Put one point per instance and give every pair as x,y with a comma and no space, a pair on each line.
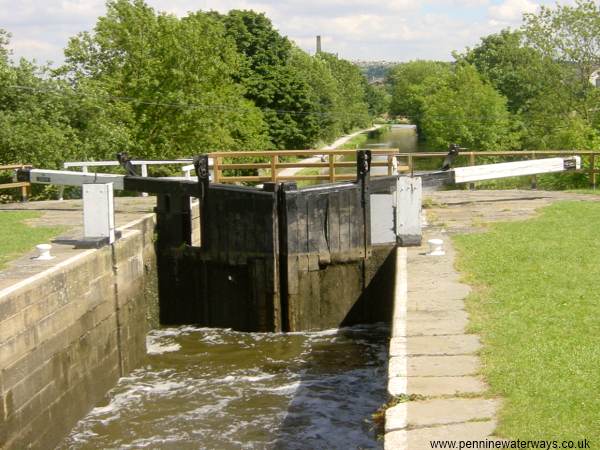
436,247
43,252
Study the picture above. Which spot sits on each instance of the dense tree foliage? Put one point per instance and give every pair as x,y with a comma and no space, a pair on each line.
518,72
518,89
160,86
463,108
171,80
411,83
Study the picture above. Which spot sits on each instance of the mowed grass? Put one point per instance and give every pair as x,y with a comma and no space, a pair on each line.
537,309
17,238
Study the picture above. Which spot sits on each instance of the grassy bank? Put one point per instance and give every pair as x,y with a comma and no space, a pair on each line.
356,142
537,309
17,238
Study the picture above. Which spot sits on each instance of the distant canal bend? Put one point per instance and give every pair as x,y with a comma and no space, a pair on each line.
402,137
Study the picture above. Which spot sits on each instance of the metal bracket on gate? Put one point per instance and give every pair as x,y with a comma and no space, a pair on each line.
202,172
125,162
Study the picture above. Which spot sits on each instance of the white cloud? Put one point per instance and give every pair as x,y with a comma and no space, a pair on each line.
511,11
355,29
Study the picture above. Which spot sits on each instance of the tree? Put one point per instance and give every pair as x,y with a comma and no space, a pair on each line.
323,92
352,110
267,80
570,35
468,111
518,71
34,120
170,80
377,98
410,83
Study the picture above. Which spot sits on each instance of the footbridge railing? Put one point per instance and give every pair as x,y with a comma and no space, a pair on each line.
297,165
25,186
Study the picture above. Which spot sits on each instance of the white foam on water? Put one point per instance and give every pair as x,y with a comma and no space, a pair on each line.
83,436
157,348
288,388
255,378
253,390
156,441
208,409
315,334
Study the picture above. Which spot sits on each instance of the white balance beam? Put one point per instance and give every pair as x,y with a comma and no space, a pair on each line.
515,169
69,178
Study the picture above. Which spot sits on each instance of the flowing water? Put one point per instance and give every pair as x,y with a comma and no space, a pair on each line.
220,389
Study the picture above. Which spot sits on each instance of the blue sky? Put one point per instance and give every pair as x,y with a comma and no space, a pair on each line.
396,30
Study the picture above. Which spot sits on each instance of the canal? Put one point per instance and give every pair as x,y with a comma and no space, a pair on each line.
206,388
402,137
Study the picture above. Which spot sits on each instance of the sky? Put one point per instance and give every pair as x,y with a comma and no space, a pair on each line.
393,30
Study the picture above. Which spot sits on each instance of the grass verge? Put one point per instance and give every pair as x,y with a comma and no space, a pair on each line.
356,142
585,191
17,238
537,310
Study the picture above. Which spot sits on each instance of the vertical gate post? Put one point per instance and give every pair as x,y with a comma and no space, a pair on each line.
363,176
203,174
283,250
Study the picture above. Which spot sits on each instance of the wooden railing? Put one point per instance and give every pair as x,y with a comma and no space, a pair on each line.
276,162
588,159
25,186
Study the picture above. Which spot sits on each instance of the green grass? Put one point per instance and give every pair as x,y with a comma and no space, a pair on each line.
585,191
537,309
309,171
356,142
17,238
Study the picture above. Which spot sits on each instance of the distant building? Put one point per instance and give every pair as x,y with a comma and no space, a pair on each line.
595,78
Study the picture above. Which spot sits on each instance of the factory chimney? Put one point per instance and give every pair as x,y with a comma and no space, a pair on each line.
318,44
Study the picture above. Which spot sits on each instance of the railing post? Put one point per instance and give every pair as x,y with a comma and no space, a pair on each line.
410,165
274,161
331,160
144,174
390,166
593,170
61,188
25,193
216,169
533,177
471,163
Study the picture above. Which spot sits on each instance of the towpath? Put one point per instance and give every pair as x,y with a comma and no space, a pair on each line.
335,144
433,358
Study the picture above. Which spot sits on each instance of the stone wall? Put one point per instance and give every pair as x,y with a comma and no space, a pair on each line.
69,333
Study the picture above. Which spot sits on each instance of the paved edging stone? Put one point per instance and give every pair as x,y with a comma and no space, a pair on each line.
432,358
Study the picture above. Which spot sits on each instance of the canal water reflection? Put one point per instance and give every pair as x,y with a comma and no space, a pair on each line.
220,389
402,137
